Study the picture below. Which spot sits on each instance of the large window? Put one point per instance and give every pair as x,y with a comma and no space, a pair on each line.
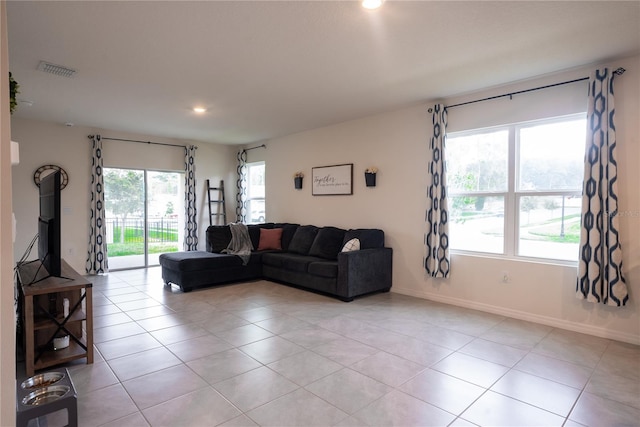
515,190
255,192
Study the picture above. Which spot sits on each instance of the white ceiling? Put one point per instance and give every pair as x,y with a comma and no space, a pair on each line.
271,68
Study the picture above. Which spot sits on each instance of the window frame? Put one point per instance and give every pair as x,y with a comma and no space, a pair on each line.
250,197
513,196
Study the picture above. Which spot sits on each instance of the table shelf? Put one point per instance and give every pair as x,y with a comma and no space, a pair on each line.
42,322
57,357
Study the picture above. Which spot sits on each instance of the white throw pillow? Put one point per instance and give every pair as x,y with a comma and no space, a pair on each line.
351,245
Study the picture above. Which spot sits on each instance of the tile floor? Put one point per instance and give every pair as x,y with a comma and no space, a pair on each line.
261,353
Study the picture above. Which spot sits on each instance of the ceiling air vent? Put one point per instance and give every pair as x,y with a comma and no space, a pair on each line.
58,70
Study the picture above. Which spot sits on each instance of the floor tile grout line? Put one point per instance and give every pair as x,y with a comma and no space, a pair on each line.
586,384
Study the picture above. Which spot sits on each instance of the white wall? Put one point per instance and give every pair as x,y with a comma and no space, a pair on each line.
51,143
396,143
7,311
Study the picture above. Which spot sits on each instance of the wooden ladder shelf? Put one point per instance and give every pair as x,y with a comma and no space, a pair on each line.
217,207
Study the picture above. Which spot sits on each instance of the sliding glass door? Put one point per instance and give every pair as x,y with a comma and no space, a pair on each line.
145,216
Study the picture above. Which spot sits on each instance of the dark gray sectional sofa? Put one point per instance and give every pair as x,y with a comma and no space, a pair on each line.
304,256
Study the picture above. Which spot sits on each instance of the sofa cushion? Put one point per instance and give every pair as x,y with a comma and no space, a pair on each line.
300,263
270,239
288,261
323,268
303,239
327,243
370,238
256,258
288,230
218,238
198,260
273,259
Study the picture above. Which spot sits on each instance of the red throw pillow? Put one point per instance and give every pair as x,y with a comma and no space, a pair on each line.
270,239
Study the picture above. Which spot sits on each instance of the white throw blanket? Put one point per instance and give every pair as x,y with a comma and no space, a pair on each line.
240,243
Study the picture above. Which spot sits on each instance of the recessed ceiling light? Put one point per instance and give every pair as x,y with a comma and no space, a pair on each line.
371,4
199,110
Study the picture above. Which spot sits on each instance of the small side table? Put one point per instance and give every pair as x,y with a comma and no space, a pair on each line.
43,316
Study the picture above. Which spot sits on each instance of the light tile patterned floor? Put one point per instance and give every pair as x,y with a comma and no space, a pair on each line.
261,353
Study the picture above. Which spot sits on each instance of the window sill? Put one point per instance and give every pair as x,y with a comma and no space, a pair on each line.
530,260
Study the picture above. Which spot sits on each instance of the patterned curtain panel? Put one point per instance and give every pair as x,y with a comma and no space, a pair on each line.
436,240
190,212
241,183
97,254
600,278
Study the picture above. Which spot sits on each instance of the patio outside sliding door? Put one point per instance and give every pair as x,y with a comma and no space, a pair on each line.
144,213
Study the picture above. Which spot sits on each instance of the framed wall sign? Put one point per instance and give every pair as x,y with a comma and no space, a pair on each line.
332,180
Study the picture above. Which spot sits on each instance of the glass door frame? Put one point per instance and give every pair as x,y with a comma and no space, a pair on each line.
145,212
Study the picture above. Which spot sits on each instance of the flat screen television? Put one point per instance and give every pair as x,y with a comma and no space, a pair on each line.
49,224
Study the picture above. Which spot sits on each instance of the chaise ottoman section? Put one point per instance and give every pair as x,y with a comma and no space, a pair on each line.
200,268
198,260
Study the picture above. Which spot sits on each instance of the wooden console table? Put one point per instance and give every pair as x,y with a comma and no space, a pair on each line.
43,318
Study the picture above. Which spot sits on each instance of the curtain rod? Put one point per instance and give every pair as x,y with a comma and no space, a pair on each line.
145,142
253,148
620,71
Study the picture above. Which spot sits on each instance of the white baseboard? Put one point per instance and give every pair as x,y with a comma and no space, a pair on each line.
521,315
